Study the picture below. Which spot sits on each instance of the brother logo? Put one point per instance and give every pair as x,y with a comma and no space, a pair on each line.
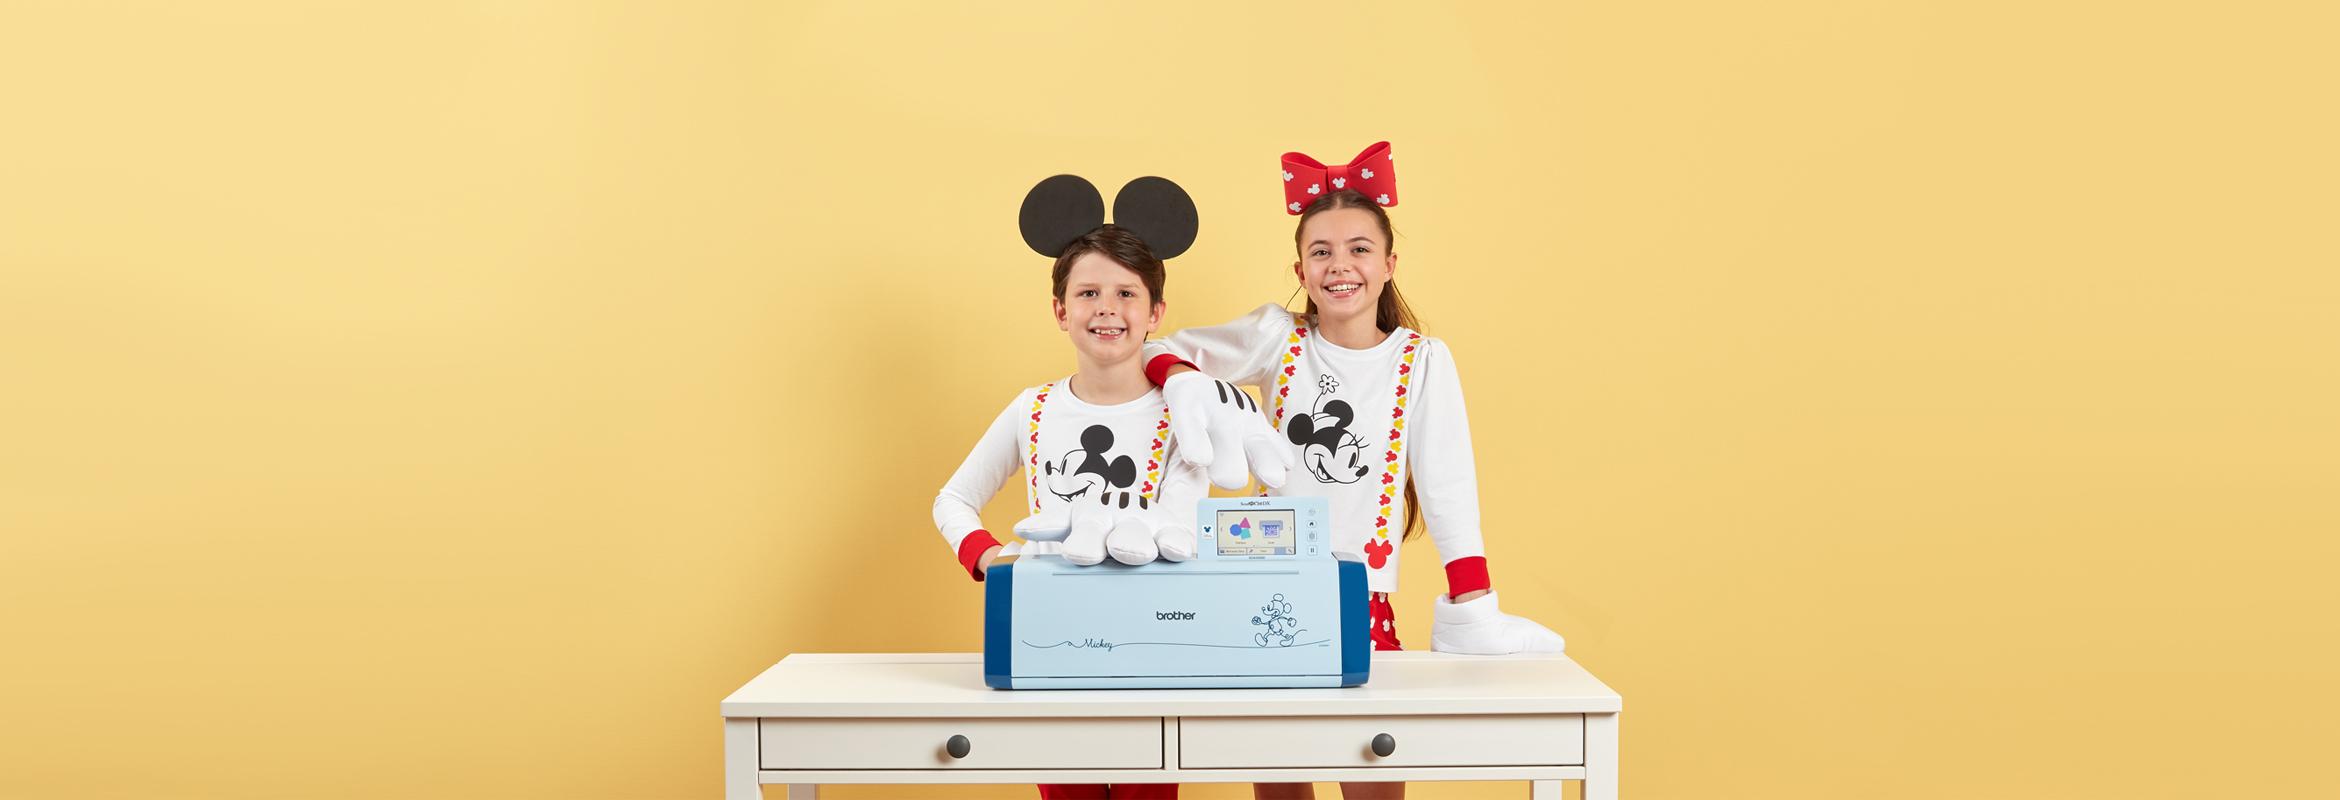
1174,615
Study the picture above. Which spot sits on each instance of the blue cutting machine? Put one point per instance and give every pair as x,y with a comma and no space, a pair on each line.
1264,603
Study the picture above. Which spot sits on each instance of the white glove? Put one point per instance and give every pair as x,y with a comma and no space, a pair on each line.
1132,540
1028,549
1047,526
1221,428
1478,627
1079,531
1100,529
1175,540
1090,531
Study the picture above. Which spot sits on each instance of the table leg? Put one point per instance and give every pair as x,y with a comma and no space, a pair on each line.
1600,757
804,791
1546,790
742,756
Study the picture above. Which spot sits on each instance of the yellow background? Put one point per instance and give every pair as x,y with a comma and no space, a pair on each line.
456,400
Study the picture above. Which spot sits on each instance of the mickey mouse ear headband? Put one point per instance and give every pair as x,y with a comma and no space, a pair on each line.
1066,207
1372,173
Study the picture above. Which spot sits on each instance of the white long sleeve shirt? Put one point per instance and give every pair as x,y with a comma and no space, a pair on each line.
1360,423
1069,450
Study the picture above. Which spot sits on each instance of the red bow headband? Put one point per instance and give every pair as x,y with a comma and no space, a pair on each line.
1373,173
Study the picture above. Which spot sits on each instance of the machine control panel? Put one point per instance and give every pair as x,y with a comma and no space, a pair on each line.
1264,528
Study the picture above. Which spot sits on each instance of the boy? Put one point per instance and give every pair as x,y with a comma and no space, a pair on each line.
1093,447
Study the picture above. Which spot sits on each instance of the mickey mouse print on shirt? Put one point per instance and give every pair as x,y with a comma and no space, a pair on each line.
1067,457
1097,475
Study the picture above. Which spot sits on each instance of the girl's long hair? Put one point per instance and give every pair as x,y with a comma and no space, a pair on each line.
1390,311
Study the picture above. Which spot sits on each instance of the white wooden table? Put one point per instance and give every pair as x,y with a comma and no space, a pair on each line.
892,717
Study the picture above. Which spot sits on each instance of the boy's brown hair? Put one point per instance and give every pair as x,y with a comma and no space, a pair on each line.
1124,248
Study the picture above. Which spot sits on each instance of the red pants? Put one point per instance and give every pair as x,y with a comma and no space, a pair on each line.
1099,791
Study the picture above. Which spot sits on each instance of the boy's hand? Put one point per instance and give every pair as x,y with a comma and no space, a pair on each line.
983,563
1221,428
1479,627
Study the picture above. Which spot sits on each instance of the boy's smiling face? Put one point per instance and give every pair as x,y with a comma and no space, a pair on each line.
1106,309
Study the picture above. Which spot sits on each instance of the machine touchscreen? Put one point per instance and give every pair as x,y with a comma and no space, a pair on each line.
1256,532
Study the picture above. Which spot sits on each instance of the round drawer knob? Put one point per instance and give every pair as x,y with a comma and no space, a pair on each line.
958,746
1384,744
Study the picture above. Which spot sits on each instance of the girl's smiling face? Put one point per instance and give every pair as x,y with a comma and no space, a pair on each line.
1106,308
1344,262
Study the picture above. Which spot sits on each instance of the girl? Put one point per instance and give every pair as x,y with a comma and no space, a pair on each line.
1094,447
1370,411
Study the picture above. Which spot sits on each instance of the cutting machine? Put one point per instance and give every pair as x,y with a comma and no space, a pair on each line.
1264,603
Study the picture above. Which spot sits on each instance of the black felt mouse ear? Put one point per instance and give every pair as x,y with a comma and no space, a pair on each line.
1160,213
1059,210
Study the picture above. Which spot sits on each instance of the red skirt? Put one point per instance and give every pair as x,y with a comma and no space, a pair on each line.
1099,791
1384,622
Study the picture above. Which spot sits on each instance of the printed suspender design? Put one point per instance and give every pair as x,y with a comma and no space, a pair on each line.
1284,376
1032,445
1393,471
1153,487
1291,360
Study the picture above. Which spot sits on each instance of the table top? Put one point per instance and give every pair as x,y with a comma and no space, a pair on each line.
951,685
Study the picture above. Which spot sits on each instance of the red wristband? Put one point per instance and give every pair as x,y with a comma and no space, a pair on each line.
1466,575
971,550
1158,370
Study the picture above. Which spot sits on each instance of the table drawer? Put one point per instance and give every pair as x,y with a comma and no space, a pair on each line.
1473,741
866,743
